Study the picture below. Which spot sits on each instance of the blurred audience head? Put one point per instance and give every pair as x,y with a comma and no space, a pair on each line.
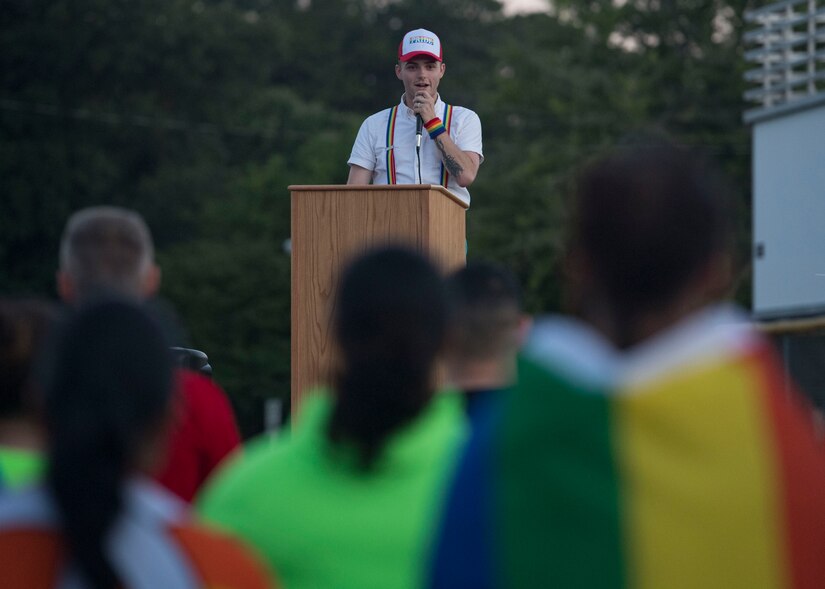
487,328
390,323
106,250
107,389
24,325
650,239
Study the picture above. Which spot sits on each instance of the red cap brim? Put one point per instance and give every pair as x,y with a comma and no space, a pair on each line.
413,54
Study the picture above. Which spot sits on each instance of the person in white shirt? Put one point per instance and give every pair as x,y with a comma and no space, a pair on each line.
387,149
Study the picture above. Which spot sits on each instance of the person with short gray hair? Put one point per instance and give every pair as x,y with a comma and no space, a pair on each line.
106,252
107,249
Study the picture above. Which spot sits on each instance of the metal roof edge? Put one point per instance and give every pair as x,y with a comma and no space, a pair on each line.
762,114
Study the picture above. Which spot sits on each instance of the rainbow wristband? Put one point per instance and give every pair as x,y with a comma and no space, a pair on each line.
435,127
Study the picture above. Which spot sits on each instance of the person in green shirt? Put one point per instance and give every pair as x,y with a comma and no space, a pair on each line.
349,498
24,324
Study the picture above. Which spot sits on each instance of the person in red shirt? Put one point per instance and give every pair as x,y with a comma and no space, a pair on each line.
108,250
204,434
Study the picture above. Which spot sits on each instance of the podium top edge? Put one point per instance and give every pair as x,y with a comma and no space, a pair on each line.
376,187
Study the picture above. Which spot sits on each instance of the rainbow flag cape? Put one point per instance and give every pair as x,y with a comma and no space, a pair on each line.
682,464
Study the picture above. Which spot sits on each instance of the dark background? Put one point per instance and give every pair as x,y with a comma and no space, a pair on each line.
199,114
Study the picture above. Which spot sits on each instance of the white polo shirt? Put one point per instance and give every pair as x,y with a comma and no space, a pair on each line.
371,146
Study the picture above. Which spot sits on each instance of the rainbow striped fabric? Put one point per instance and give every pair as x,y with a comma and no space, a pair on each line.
681,464
447,121
391,176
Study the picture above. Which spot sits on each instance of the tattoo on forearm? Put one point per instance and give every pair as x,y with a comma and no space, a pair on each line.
452,165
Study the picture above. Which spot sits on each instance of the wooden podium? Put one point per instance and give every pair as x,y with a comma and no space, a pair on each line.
331,225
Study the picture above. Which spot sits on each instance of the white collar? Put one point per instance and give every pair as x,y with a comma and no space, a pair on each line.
708,333
577,351
574,349
141,497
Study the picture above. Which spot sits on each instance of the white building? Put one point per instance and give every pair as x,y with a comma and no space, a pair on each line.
788,157
788,52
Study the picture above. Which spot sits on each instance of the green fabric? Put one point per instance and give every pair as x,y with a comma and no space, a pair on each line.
553,511
320,522
20,467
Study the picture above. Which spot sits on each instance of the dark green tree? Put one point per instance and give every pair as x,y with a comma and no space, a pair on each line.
200,113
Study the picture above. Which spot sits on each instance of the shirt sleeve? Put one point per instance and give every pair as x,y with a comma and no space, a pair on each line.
468,134
363,150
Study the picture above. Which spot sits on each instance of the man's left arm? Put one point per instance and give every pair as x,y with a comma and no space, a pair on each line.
462,165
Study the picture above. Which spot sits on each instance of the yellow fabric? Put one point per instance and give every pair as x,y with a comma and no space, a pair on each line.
695,459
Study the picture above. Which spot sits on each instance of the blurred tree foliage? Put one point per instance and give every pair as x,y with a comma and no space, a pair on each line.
199,114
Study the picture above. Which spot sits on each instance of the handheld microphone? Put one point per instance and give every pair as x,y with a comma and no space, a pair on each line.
419,125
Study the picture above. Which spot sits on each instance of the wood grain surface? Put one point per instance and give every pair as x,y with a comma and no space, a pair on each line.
333,224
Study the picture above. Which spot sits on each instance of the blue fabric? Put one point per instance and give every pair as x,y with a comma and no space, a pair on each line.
463,547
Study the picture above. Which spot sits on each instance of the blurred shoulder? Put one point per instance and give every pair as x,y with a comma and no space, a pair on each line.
221,560
197,386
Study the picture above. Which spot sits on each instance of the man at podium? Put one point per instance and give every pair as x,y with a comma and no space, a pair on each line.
421,140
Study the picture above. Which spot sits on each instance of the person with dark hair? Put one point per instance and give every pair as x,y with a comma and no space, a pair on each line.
650,242
348,499
97,522
487,329
109,250
24,325
651,441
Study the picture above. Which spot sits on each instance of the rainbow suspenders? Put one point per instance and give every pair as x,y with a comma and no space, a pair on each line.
391,177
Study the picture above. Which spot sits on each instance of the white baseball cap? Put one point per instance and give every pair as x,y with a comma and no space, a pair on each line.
419,42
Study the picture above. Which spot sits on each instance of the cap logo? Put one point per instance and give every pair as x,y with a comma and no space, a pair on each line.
419,39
